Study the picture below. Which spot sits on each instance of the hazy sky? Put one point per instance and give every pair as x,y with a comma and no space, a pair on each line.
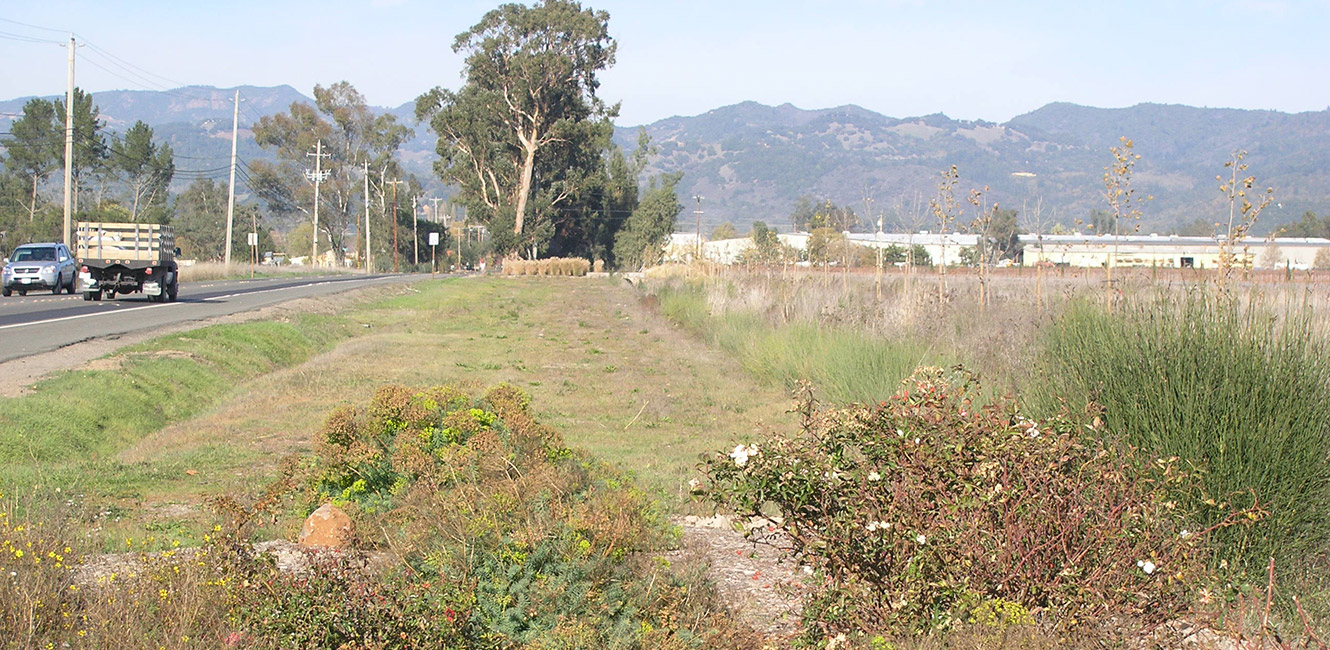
970,59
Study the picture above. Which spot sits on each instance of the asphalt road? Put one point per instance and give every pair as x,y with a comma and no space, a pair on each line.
41,322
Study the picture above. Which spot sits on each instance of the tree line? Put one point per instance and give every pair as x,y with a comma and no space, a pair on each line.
525,142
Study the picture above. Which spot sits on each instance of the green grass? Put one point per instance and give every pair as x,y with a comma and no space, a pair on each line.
842,364
1243,392
86,416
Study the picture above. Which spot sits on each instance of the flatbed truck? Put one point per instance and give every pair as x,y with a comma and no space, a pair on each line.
116,258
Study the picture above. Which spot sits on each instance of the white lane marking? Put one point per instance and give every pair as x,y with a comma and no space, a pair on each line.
252,293
100,313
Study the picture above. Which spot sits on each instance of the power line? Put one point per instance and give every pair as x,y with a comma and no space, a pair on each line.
45,29
28,39
127,65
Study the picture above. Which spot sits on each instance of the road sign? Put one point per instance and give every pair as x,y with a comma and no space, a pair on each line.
253,239
434,239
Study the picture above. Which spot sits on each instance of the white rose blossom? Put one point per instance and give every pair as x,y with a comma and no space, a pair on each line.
741,454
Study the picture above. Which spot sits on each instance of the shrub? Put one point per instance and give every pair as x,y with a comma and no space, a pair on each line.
928,509
340,603
527,539
1239,391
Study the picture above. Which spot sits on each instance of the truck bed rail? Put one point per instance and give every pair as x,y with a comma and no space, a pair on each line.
124,243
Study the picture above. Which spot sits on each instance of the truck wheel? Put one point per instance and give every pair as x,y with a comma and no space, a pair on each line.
6,292
87,295
22,292
97,295
172,290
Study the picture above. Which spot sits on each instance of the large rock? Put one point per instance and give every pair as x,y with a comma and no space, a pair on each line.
327,527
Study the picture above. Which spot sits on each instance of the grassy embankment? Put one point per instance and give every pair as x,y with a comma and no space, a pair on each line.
152,430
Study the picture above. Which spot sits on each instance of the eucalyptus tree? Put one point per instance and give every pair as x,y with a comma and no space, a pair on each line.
523,137
200,229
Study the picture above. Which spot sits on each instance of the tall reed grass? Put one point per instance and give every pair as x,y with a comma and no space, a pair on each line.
1240,389
844,365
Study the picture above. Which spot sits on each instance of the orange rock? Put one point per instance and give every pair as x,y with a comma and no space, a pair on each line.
327,527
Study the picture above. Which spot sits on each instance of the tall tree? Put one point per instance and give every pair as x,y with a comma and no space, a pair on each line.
35,147
515,137
90,150
147,168
642,240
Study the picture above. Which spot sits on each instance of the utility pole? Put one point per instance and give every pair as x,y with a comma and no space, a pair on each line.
231,198
435,200
369,255
69,146
317,177
415,231
698,255
395,182
254,225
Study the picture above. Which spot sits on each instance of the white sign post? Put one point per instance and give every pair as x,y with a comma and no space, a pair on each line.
254,252
434,252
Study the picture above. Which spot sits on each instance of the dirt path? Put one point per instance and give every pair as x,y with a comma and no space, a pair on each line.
761,589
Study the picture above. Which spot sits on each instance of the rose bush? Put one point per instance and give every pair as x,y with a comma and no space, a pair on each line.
931,508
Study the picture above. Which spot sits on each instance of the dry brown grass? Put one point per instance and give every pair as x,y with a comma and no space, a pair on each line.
205,271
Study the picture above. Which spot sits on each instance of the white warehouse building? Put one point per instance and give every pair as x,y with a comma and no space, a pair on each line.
1077,250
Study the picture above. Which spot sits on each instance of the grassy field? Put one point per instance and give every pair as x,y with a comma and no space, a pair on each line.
132,447
211,411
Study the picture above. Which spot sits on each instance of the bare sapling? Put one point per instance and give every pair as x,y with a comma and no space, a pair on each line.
945,209
981,226
1123,204
1242,213
1037,218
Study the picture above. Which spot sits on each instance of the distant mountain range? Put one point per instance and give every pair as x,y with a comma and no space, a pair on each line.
751,162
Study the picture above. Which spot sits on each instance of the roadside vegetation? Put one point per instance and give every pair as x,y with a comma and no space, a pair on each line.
626,404
205,271
1225,389
527,483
